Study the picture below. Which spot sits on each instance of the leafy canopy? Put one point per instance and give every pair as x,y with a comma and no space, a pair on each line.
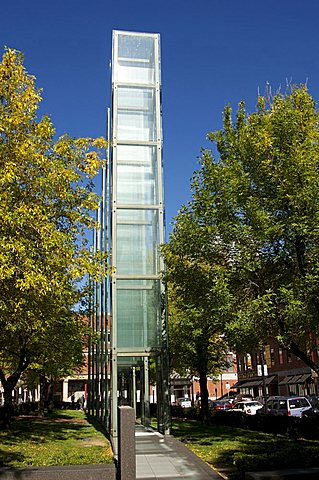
259,202
243,256
46,204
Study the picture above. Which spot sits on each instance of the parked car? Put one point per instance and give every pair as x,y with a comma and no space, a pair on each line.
243,397
260,399
184,402
228,396
313,399
220,405
249,406
290,406
314,411
198,402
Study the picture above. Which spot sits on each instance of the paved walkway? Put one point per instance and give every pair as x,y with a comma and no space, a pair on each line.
164,457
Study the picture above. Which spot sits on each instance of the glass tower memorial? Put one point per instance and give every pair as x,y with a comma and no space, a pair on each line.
137,352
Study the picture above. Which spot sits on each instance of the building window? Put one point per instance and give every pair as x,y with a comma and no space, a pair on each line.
229,363
239,364
244,363
289,357
272,356
280,355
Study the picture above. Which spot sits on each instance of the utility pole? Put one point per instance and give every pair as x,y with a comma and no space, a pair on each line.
262,362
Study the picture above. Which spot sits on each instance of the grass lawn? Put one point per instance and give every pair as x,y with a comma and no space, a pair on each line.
63,438
235,450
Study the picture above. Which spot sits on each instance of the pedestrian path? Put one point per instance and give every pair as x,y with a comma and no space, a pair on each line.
164,457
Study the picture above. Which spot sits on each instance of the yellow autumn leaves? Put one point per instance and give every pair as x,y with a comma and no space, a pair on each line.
47,202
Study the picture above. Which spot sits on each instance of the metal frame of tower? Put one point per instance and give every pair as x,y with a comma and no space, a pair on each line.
98,381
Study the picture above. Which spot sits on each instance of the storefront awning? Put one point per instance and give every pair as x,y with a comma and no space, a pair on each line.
256,382
295,379
251,383
285,380
304,378
269,380
237,384
244,385
180,381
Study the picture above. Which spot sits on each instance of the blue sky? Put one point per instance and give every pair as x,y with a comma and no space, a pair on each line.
214,52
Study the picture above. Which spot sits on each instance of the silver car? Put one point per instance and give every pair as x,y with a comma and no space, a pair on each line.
289,406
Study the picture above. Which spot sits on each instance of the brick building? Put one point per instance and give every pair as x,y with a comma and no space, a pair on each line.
284,373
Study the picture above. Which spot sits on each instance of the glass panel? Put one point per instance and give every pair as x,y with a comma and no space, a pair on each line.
136,175
135,98
137,242
135,63
138,319
136,114
130,361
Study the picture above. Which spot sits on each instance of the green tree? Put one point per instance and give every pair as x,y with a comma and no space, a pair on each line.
259,199
46,204
198,299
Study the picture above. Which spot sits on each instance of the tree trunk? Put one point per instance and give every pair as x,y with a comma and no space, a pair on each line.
8,404
304,357
42,381
50,396
296,350
10,382
203,396
300,247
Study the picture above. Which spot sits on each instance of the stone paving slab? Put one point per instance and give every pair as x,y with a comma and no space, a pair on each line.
165,457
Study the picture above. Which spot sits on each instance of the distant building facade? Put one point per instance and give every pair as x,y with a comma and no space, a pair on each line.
284,373
221,384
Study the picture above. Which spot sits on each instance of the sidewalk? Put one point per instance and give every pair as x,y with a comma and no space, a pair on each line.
164,457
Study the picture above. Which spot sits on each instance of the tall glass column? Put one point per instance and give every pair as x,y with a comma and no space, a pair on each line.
136,207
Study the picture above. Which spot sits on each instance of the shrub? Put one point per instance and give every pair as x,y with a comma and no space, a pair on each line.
231,419
309,427
286,457
306,427
189,413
